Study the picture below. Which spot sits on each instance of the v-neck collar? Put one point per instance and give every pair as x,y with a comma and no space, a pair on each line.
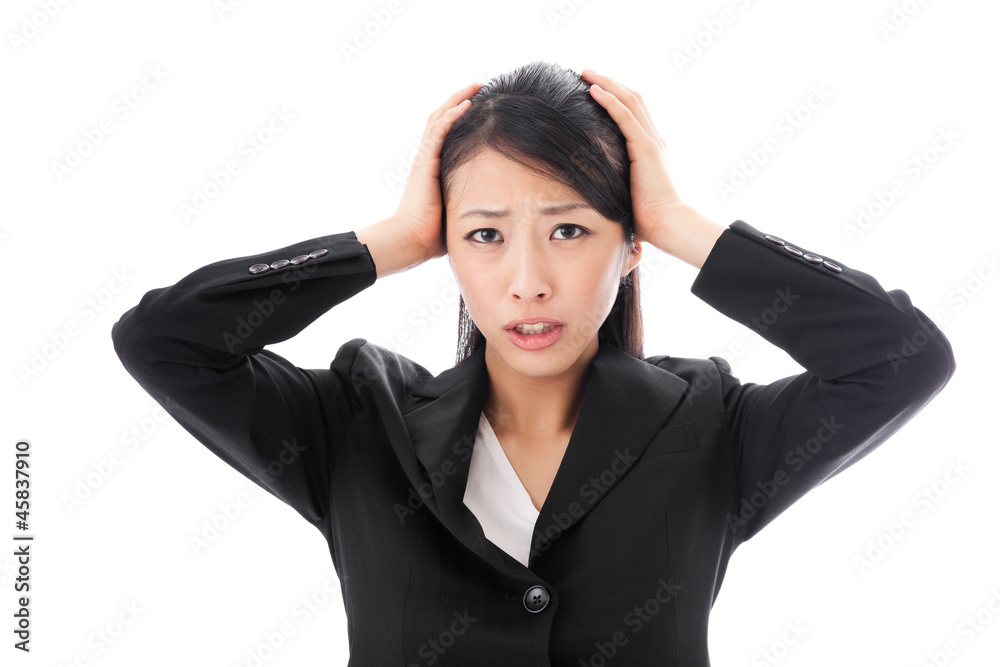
526,507
439,426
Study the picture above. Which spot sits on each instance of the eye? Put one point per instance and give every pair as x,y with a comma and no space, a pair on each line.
490,234
583,232
487,231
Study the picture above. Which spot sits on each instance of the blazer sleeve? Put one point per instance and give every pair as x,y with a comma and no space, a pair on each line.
197,347
873,361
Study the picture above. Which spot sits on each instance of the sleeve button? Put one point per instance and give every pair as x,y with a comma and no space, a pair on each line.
318,253
298,259
280,264
774,239
259,268
810,257
793,250
833,267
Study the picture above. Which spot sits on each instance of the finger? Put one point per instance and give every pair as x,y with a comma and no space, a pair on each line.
637,104
429,153
629,97
455,98
636,137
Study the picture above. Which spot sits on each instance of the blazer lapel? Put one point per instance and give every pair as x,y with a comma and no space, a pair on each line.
443,431
626,402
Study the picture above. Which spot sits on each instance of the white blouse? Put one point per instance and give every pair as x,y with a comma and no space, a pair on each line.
495,494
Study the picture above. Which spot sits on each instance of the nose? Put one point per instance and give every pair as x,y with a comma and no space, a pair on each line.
529,273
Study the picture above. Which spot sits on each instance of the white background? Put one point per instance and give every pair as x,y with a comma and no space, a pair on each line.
108,541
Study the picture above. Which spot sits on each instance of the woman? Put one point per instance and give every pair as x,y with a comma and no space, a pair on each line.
555,498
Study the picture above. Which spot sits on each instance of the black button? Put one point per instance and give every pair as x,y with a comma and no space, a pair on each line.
536,599
280,264
774,239
259,268
809,257
833,267
318,253
792,249
298,259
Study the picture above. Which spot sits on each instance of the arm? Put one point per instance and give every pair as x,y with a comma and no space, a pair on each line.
197,348
688,235
872,360
389,249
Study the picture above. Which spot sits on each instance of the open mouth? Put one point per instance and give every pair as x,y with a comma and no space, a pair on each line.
535,336
532,329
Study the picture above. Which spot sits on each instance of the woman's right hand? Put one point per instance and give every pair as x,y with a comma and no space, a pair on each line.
420,208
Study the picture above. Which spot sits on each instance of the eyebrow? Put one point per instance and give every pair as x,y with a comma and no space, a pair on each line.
546,210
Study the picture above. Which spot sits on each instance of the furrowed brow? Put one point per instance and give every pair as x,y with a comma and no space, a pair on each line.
556,209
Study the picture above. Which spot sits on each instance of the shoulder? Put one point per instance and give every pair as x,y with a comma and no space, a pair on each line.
691,368
368,364
705,377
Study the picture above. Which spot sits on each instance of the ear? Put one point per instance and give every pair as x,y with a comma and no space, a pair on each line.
632,258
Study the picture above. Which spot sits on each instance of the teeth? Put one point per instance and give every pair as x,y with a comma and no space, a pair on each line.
529,329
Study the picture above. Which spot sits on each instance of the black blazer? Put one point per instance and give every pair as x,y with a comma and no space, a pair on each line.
673,462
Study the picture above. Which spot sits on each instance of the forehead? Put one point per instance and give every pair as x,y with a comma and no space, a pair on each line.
492,179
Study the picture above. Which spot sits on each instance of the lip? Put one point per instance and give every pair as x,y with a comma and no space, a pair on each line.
531,320
534,342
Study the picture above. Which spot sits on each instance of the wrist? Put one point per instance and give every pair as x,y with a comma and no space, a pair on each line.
391,248
686,234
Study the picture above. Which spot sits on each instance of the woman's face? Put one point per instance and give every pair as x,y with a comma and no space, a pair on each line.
522,261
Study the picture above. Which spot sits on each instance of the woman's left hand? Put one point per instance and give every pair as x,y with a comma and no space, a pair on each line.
653,193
